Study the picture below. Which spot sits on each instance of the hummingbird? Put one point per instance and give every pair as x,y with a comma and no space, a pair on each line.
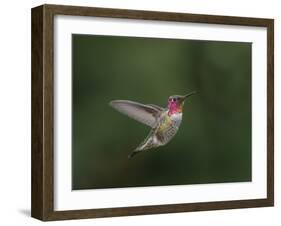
164,122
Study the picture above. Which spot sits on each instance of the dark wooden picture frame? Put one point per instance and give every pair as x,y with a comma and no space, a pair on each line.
42,203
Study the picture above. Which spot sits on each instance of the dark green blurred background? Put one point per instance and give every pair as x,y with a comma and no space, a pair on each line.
213,143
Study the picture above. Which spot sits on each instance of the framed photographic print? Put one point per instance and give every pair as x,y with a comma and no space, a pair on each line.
141,112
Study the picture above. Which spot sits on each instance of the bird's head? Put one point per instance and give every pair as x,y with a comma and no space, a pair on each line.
176,102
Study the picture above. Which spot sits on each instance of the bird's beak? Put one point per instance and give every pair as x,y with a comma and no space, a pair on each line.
188,95
183,98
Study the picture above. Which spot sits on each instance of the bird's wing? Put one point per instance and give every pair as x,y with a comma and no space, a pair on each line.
145,114
157,107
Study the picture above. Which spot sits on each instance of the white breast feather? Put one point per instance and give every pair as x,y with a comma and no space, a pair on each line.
176,118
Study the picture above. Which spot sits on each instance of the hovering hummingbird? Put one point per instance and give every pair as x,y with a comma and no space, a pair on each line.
164,122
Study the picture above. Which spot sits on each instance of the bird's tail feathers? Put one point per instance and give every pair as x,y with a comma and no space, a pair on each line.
133,153
145,145
136,151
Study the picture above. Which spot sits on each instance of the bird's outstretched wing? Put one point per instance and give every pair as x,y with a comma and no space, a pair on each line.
157,107
145,114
